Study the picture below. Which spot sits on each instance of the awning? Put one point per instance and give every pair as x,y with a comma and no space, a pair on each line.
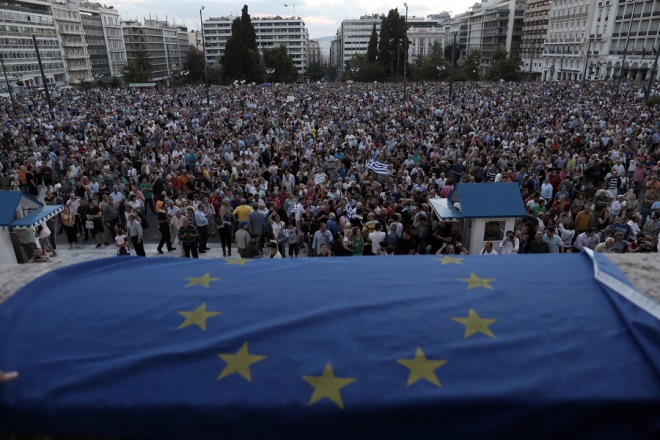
445,210
38,216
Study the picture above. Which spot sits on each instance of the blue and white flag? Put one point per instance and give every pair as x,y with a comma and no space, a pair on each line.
378,167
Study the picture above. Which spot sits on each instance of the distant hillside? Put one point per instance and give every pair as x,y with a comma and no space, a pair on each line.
324,42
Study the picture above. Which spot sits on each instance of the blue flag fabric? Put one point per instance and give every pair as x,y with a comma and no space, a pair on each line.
391,347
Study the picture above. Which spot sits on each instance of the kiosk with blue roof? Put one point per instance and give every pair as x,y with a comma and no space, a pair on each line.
483,212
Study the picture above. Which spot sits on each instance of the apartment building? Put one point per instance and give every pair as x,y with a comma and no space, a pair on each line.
72,40
271,32
19,21
105,40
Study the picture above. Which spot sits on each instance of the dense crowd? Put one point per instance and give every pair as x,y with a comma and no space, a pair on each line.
285,167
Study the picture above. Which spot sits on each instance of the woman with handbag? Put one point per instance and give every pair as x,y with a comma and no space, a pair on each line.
121,241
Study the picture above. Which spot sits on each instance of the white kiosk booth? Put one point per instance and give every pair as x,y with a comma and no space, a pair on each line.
20,211
482,212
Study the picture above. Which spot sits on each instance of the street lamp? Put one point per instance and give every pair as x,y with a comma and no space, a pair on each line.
11,94
355,70
625,49
405,56
269,72
206,82
440,70
451,70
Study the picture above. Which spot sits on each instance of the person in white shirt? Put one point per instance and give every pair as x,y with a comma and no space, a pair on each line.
634,227
510,244
376,238
488,249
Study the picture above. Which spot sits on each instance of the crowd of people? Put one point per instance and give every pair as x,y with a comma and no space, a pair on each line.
286,167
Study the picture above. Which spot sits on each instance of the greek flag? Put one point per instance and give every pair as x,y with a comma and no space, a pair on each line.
377,167
349,210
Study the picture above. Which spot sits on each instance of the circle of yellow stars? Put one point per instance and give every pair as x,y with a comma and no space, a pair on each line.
328,385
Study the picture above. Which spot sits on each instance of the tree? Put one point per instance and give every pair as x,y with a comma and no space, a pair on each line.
372,49
278,58
470,70
138,69
367,72
448,51
426,66
241,60
315,71
391,49
504,67
195,65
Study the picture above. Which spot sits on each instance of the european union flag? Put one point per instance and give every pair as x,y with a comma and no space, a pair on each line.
366,348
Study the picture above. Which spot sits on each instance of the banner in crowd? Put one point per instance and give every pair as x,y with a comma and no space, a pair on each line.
350,348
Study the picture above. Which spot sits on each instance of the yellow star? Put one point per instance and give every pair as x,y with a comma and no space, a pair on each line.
475,281
204,280
449,260
327,385
241,261
474,324
197,317
422,368
239,362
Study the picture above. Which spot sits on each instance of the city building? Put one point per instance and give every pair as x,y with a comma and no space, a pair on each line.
353,37
72,40
105,40
314,52
161,41
534,33
19,20
271,32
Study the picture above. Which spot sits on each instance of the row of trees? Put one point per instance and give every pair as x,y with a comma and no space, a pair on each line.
241,61
385,60
387,54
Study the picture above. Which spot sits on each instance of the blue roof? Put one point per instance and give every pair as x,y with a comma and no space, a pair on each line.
38,216
444,209
10,202
489,200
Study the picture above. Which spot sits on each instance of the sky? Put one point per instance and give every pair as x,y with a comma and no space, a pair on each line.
322,17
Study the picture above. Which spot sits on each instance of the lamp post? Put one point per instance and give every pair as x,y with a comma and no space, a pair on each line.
43,78
11,94
206,82
269,72
584,73
625,51
451,70
440,70
405,55
354,70
647,93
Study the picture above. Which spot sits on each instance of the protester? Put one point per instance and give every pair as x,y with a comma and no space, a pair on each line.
305,160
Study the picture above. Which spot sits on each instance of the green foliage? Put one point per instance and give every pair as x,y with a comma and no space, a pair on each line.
368,72
316,72
241,60
653,101
138,69
470,70
372,49
504,67
278,58
425,67
392,44
448,52
195,65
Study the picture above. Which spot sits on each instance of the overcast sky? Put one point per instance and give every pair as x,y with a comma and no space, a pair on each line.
322,17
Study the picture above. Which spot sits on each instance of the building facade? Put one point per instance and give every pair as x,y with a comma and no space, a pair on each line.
353,37
271,32
19,20
105,40
72,41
